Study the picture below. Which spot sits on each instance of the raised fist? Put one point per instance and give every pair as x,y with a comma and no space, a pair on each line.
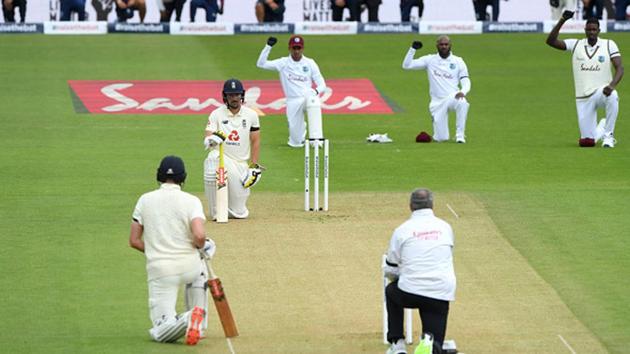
271,41
567,15
416,45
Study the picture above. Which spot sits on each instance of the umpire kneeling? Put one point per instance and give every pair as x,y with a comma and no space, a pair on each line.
420,264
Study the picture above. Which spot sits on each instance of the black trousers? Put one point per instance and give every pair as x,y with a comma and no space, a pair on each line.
433,313
482,5
354,6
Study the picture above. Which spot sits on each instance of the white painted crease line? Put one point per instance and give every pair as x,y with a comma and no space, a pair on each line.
452,211
566,344
229,342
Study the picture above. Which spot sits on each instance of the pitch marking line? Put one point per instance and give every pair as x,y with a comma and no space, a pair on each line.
566,344
229,342
452,211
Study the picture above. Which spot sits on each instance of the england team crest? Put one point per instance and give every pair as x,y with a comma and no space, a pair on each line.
601,58
452,66
305,69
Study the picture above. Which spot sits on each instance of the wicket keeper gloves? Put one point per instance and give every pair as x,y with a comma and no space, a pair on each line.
208,250
217,138
254,173
416,45
271,41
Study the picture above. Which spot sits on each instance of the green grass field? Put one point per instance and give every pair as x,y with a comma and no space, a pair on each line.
71,284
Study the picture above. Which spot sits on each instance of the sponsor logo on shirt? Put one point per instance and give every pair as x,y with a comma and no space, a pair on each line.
594,67
427,235
233,136
342,96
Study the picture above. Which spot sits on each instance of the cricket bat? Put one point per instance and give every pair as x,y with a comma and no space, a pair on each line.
222,189
221,303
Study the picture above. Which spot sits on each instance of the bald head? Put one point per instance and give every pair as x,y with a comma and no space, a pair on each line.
421,198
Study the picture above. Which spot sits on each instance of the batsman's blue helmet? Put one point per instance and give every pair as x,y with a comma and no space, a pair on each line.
233,86
171,167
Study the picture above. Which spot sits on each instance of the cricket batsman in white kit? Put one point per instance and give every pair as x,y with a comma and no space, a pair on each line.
445,71
297,75
238,128
168,227
592,58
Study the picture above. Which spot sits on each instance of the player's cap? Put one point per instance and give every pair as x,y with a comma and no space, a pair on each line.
587,142
171,167
423,137
296,41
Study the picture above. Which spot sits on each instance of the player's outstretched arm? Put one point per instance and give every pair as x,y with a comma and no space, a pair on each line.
262,61
552,38
409,63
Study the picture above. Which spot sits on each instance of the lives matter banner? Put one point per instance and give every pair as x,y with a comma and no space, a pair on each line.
352,96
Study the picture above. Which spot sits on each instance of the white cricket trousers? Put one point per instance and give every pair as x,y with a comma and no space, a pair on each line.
237,194
587,112
297,108
163,298
439,109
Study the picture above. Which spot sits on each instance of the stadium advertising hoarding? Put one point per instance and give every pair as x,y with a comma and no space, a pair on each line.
459,27
264,28
343,96
503,27
21,28
202,28
304,10
99,27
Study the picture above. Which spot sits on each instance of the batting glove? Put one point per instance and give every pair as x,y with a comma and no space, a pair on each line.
271,41
416,45
554,3
208,249
254,174
217,138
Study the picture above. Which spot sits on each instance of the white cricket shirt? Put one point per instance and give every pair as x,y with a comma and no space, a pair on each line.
423,249
237,127
444,74
166,215
591,64
296,77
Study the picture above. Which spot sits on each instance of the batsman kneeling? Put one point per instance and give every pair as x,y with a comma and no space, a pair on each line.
168,227
231,168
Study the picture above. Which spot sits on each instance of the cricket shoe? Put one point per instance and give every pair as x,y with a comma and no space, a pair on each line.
599,131
460,140
397,348
425,346
193,333
609,141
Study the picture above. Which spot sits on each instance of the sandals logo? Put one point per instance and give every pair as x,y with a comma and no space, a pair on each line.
355,96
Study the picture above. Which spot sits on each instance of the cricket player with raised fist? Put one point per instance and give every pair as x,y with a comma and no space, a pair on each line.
593,59
297,75
237,128
168,226
446,72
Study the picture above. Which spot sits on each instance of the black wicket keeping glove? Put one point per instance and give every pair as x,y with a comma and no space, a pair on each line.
271,41
416,45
